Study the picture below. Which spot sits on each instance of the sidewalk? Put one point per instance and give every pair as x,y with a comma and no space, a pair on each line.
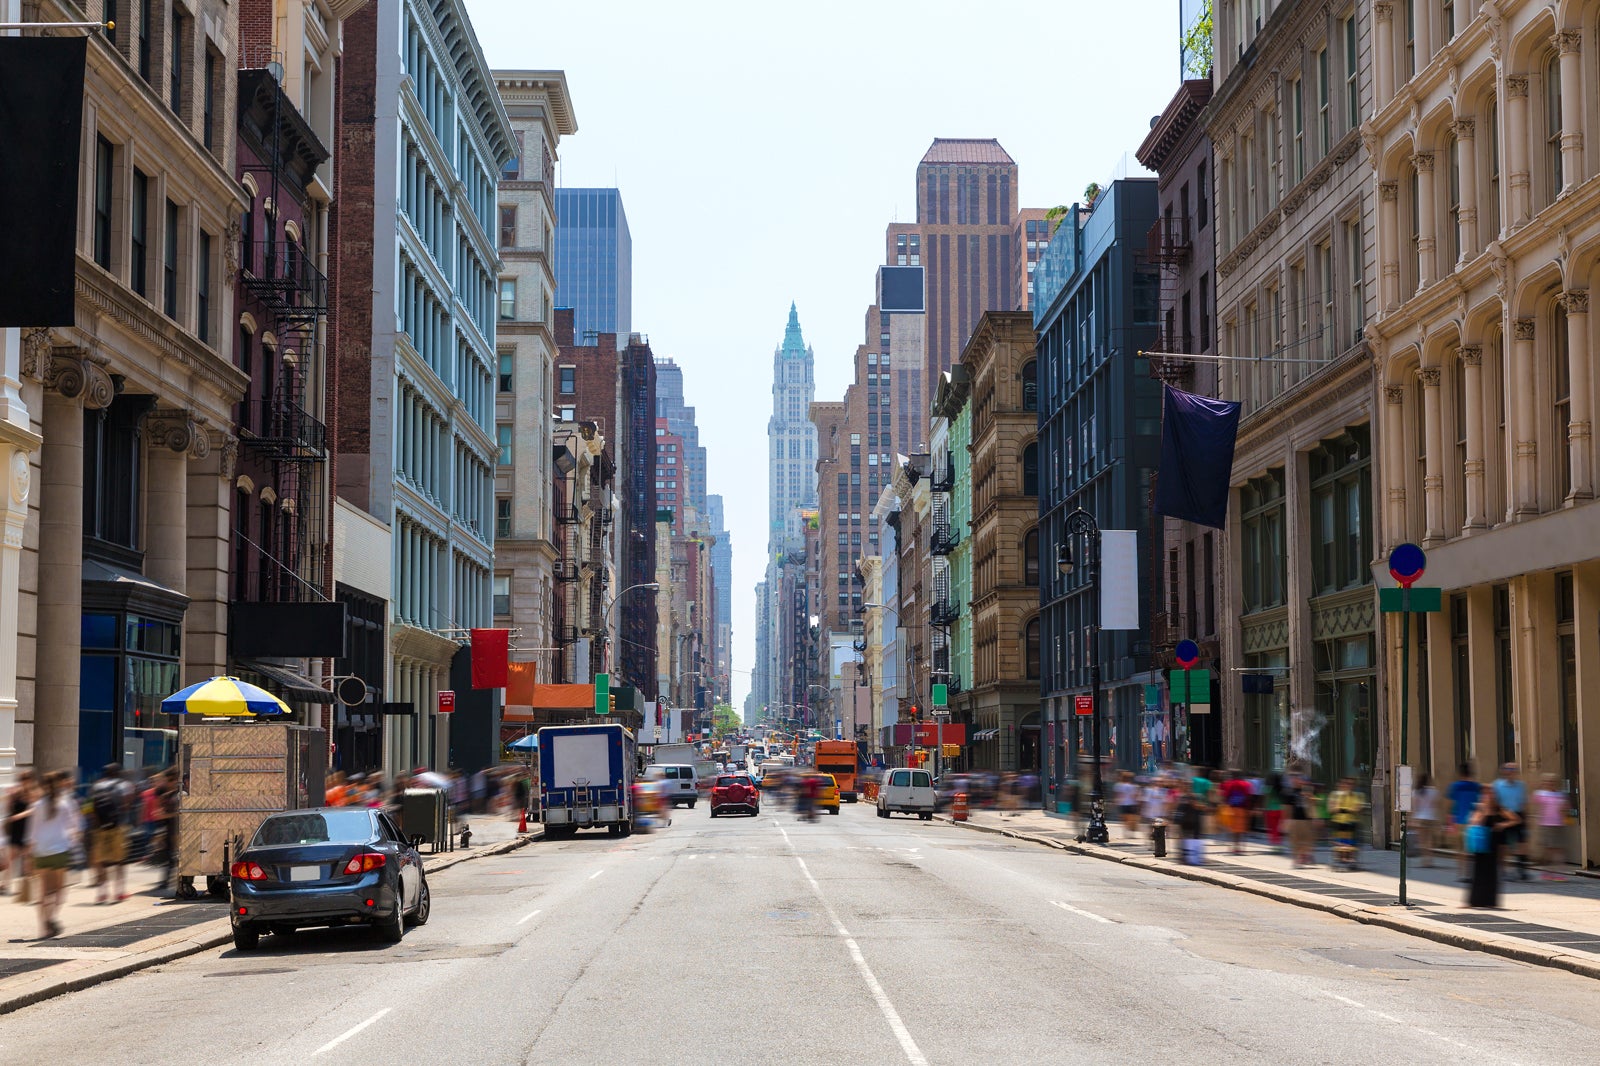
102,942
1551,923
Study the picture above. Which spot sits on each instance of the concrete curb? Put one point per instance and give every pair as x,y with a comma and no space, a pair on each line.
200,938
1399,921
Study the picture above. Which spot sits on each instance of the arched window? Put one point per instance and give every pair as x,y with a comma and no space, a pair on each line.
1490,211
1030,386
1552,127
1457,470
1030,558
1030,469
1561,395
1031,646
1452,237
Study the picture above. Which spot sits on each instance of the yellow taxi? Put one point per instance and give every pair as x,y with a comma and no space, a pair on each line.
828,794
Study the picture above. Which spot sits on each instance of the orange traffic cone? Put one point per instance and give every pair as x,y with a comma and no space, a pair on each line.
522,823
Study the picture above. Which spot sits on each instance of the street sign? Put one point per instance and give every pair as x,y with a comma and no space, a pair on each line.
1406,564
602,693
1083,704
1189,686
1187,653
1402,789
447,701
1411,600
941,695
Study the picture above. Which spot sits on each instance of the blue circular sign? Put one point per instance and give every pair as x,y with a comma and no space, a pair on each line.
1187,653
1406,564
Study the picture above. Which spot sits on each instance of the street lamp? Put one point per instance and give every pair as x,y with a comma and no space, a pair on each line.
1081,523
605,617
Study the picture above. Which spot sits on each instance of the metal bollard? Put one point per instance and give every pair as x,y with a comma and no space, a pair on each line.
1158,838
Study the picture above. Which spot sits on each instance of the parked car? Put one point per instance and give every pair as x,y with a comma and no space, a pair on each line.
908,792
733,793
683,782
327,866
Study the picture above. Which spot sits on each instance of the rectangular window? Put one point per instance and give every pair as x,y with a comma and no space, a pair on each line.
139,230
1491,202
1297,127
1552,127
502,434
1352,99
568,414
506,361
169,271
568,380
145,18
1202,199
502,593
175,67
502,517
1409,52
1324,120
1561,375
102,202
1452,238
1356,319
1247,193
1325,285
508,299
1274,159
202,268
508,227
1205,311
210,99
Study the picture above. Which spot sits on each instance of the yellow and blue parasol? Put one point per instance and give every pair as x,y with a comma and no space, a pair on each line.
224,697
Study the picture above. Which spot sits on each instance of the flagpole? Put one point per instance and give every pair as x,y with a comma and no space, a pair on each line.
58,25
1233,358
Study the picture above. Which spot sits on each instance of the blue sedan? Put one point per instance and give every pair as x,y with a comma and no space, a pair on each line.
328,866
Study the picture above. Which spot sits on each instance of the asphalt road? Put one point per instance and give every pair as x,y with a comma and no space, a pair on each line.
850,940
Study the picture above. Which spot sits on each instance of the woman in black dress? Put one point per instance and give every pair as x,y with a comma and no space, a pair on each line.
1484,888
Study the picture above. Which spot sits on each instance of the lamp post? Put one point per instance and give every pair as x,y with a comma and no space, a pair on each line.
1082,523
605,618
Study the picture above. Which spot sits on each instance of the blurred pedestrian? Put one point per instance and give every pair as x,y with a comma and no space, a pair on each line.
1235,811
1550,823
111,799
55,829
1512,792
1300,808
1463,795
1125,794
15,812
1271,801
1191,822
1425,805
1485,838
1345,805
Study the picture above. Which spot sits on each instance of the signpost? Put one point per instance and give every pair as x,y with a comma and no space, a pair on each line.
602,694
1406,565
1187,654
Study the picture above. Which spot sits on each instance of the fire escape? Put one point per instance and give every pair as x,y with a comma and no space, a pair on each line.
1168,247
943,538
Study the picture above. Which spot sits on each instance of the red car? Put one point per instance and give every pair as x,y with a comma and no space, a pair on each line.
735,792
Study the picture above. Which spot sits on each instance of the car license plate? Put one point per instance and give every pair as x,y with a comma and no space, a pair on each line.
305,873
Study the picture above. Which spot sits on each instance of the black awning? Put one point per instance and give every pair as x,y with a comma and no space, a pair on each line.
291,686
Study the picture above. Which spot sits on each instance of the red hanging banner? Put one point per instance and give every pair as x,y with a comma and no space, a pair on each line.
491,657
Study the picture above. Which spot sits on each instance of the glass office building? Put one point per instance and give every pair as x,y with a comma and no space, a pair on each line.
594,261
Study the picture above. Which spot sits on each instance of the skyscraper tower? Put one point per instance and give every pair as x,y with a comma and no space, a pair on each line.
594,261
791,436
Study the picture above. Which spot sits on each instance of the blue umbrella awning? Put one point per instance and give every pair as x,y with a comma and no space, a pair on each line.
525,743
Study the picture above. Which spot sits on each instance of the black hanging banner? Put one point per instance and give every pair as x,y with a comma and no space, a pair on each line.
41,127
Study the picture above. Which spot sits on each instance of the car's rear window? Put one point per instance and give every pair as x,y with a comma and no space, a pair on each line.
352,826
724,782
827,779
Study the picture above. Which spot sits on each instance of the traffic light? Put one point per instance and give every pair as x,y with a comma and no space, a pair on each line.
914,712
612,704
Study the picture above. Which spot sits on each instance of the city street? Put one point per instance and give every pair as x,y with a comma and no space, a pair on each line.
770,940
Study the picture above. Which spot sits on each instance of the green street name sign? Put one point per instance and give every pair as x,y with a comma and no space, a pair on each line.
602,693
1189,686
1410,601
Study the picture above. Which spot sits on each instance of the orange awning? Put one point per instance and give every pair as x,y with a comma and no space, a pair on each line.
552,698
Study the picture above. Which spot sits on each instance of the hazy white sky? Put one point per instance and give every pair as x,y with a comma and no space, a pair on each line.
762,148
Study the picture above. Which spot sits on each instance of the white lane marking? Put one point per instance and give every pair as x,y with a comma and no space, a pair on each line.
596,874
908,1045
352,1031
1414,1028
1081,913
526,917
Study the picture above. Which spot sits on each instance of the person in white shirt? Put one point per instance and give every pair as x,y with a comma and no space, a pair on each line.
55,826
1125,793
1425,811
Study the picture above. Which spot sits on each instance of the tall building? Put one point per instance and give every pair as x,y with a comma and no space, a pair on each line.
791,438
424,141
525,549
1485,342
1294,201
670,405
1182,244
1098,446
116,430
722,568
594,261
965,238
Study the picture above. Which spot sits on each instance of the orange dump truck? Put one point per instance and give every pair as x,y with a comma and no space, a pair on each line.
839,758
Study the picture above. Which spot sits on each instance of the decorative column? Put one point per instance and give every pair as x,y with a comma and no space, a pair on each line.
1433,460
1383,57
208,498
1519,207
1525,470
1427,226
1394,470
174,438
72,383
17,441
1389,240
1467,213
1472,370
1568,43
1579,438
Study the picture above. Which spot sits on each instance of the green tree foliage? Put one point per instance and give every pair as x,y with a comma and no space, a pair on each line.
1197,46
724,719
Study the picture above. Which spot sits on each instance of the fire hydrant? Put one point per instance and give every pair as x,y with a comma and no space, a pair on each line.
958,807
1158,838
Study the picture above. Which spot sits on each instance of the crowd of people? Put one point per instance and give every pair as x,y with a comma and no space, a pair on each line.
51,828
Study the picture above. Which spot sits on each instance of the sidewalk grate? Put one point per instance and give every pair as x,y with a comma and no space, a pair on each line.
166,919
13,967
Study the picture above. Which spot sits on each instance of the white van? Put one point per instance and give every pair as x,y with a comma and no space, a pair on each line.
907,791
683,781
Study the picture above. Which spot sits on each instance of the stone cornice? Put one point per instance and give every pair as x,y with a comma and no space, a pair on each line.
1306,404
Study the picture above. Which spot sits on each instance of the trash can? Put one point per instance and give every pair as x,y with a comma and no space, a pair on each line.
425,813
